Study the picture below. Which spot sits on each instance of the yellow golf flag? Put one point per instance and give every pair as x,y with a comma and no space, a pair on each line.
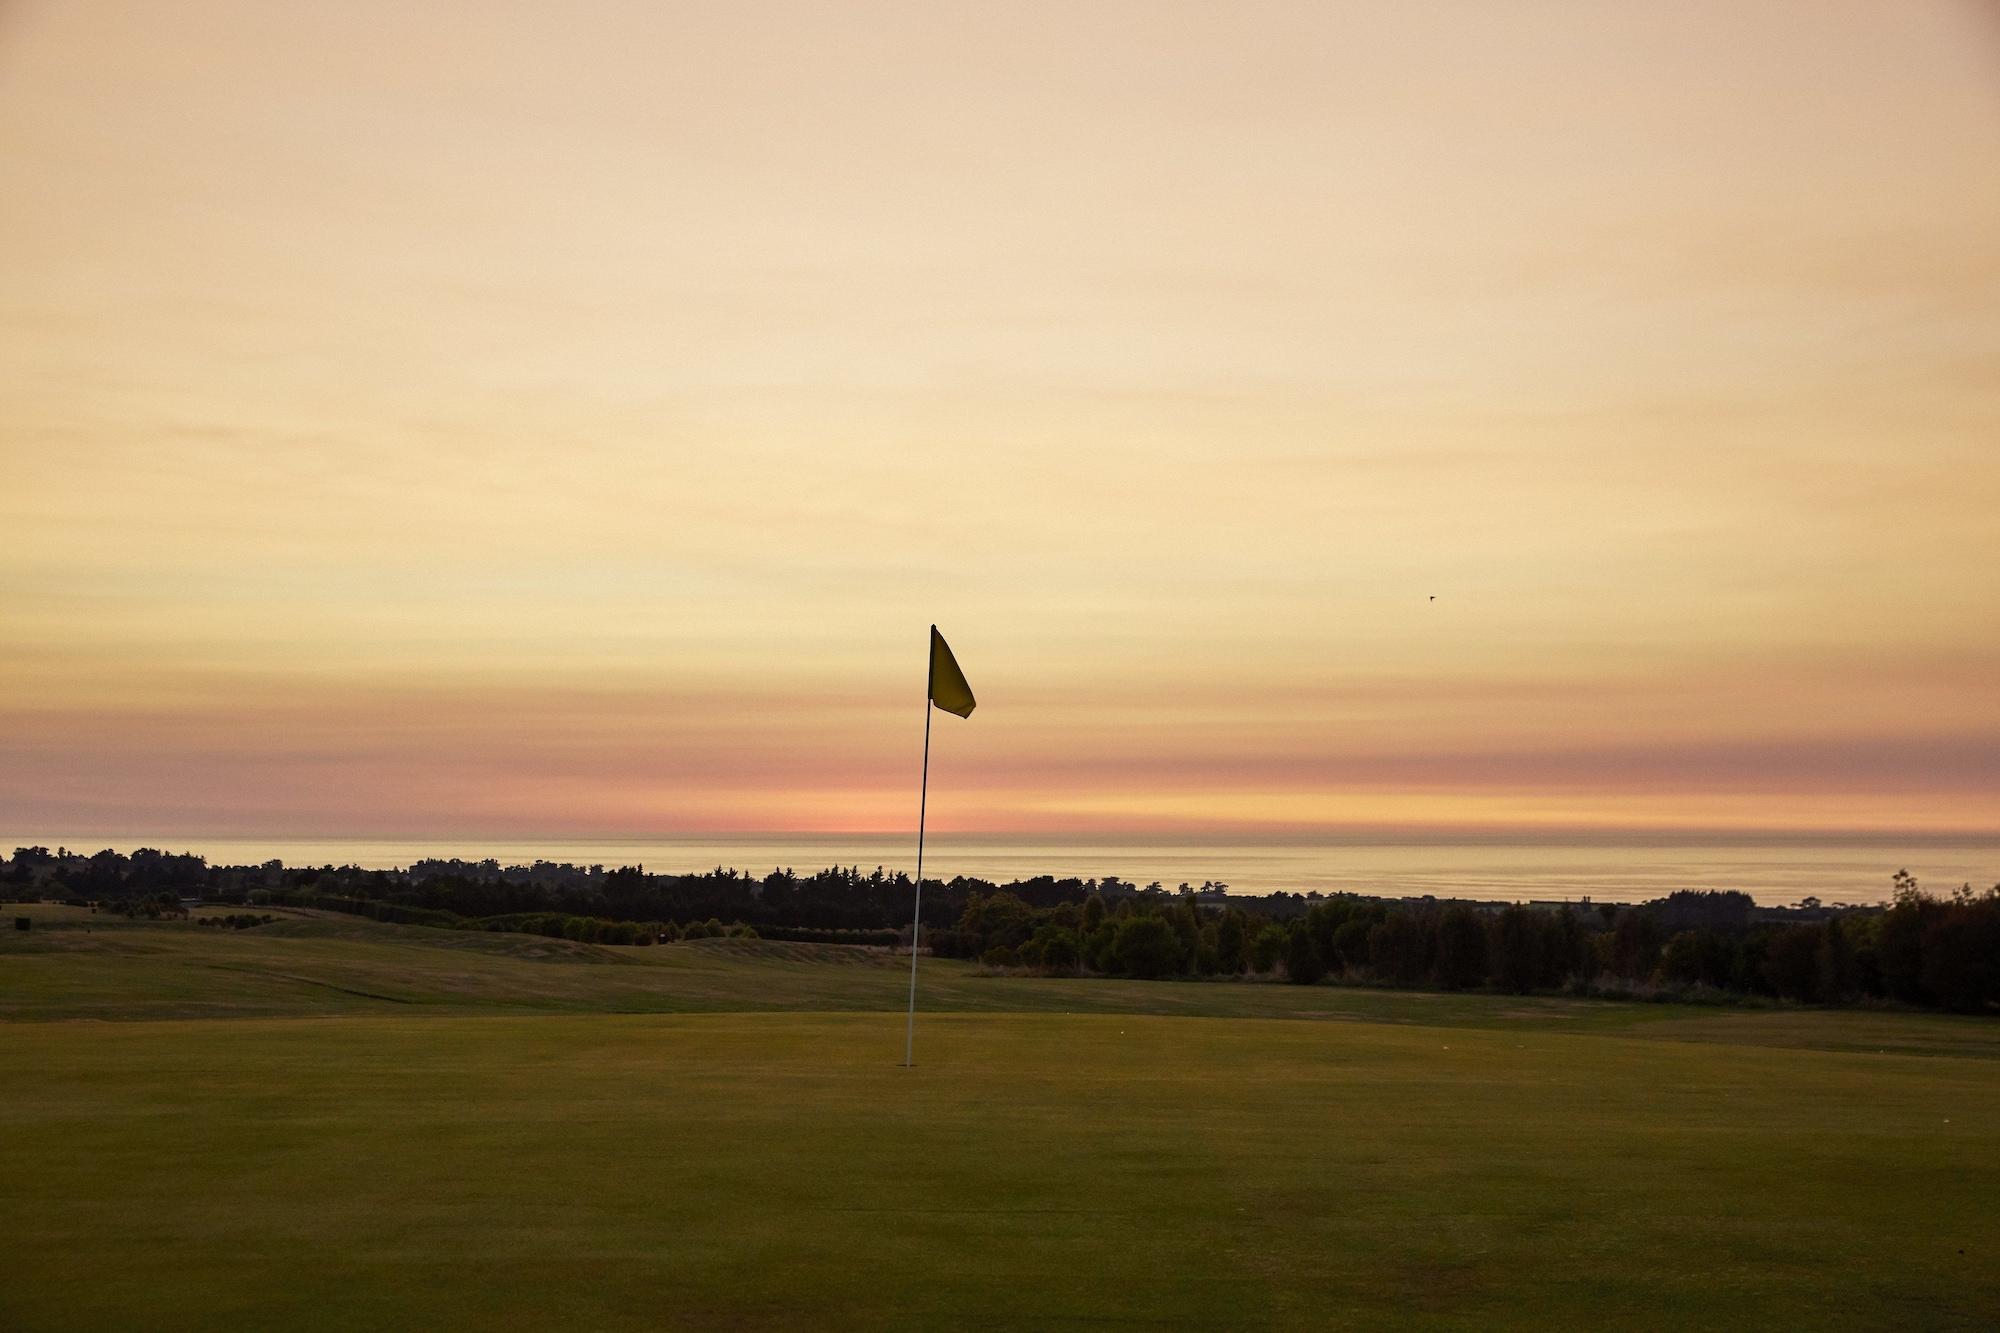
948,688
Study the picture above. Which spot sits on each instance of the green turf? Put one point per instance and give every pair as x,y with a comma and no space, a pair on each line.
432,1151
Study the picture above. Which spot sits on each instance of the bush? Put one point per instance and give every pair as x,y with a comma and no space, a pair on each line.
1303,965
1230,944
999,956
1267,948
997,919
1396,950
1461,948
1350,942
1100,945
1962,954
1523,960
1146,947
1839,969
1635,943
1053,949
878,938
1746,969
1791,963
1899,945
1320,922
1699,957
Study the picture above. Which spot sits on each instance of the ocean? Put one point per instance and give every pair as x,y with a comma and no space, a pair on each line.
1601,869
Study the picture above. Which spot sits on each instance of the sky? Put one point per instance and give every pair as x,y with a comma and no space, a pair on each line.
515,419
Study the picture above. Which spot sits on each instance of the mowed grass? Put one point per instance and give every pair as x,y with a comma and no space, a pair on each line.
431,1148
75,965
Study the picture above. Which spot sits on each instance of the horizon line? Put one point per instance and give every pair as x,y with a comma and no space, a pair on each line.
1362,836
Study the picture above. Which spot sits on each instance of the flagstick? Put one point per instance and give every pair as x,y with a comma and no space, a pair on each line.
916,917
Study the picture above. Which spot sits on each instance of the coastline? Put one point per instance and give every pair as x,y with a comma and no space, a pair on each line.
1773,871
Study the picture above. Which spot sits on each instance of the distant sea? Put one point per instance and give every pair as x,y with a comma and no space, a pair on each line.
1604,869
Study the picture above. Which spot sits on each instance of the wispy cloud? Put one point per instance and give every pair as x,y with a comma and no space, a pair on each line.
550,421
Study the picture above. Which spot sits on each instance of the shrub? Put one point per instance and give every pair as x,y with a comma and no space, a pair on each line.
1962,954
1521,960
997,919
1396,950
1099,947
1746,969
1699,957
1231,944
1303,964
1635,943
1320,922
1146,947
1350,942
1567,957
1899,944
1461,948
1053,949
1267,948
1791,963
1839,970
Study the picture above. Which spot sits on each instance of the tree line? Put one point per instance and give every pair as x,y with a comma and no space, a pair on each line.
1919,949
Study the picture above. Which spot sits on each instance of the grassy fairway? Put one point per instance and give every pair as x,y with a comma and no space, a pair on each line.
1444,1160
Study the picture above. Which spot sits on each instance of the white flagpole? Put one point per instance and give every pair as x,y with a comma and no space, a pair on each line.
916,917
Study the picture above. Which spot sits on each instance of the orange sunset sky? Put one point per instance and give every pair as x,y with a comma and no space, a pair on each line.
521,418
